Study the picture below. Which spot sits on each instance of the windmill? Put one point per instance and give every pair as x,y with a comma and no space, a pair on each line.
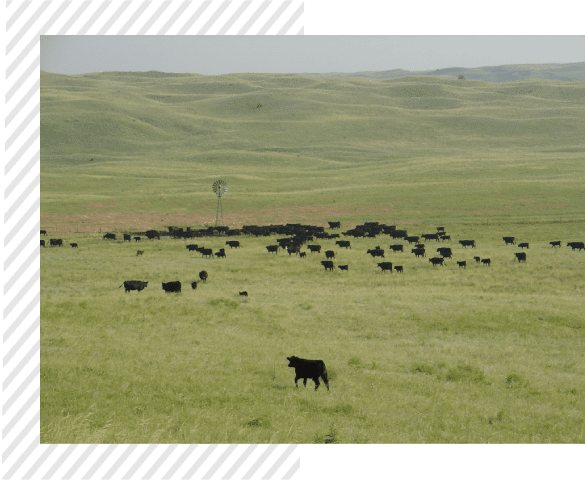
219,188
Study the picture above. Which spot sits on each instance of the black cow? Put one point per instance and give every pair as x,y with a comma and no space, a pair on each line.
243,294
445,237
419,245
376,252
172,287
306,369
462,264
207,252
334,224
430,236
133,285
440,229
445,252
343,243
576,245
413,239
42,243
191,248
509,240
221,253
73,245
56,241
293,249
522,245
467,243
486,261
127,237
399,268
150,234
302,254
314,248
203,276
194,285
272,248
397,248
43,232
110,236
343,267
328,264
136,239
233,243
139,252
477,259
329,254
437,261
521,256
555,244
419,252
385,266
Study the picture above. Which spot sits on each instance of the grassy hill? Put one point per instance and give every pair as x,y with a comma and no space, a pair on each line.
159,141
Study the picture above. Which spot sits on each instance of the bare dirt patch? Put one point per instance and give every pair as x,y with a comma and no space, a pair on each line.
101,222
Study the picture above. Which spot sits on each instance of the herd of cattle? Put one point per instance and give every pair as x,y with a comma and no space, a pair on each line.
299,235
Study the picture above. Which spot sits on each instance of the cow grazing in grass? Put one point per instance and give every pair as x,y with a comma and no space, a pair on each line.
413,239
576,245
207,252
243,294
343,267
233,243
73,245
272,248
419,252
343,243
385,266
399,268
462,264
467,243
133,285
302,254
477,259
523,245
440,229
397,248
43,232
327,264
127,237
486,261
109,236
151,234
509,240
445,252
334,224
194,285
555,244
376,252
521,256
203,276
305,369
430,236
55,242
42,243
221,253
314,248
329,254
437,261
139,252
172,287
136,239
191,248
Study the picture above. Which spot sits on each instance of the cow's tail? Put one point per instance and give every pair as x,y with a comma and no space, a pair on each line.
324,375
121,286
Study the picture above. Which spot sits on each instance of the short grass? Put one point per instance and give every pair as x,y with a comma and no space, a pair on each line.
482,354
435,355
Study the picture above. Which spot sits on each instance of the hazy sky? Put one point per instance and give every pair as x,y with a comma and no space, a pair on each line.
218,54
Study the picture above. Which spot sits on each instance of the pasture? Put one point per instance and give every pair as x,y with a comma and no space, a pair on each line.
432,355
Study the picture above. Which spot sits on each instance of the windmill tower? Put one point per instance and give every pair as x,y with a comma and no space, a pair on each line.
219,188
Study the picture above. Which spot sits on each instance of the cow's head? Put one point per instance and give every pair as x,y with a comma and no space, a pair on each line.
292,361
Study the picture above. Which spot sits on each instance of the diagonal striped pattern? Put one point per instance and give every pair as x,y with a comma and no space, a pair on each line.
22,454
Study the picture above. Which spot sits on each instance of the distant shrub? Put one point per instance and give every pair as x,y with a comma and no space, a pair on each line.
354,362
514,380
422,368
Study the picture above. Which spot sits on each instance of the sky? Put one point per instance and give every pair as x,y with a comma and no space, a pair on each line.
221,54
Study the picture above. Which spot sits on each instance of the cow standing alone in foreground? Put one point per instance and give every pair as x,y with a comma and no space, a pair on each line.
306,369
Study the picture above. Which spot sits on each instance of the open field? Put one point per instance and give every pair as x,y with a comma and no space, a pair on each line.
435,355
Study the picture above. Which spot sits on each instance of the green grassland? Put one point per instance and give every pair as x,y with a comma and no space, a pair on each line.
435,355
